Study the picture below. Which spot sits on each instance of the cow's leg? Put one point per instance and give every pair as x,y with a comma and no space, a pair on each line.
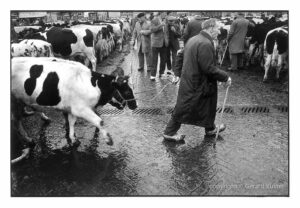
72,120
279,65
250,54
94,119
267,66
91,58
70,132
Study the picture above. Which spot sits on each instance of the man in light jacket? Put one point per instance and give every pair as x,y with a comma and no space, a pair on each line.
142,34
159,44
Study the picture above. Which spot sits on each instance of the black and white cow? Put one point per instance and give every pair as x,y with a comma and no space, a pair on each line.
276,47
70,87
34,48
257,36
70,42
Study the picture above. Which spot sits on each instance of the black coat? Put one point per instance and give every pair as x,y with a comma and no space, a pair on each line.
198,92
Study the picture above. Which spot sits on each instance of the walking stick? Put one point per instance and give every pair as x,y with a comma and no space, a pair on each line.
224,55
222,110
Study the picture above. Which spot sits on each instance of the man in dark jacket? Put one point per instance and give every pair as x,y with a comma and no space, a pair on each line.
192,28
174,34
236,41
198,91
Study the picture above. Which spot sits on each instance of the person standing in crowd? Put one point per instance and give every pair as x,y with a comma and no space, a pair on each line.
142,33
236,41
198,92
192,28
159,44
174,34
133,22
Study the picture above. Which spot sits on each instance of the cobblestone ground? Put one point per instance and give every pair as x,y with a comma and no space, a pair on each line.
249,158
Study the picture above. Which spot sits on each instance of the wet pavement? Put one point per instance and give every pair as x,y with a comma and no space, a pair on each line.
249,158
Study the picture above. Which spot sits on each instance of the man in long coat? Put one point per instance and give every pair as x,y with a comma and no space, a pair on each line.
197,95
142,33
236,41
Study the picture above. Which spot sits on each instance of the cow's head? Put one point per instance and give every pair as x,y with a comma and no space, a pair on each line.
123,94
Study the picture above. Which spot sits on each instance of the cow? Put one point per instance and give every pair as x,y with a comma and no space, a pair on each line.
276,47
103,38
126,29
34,48
70,42
70,87
22,49
117,30
257,36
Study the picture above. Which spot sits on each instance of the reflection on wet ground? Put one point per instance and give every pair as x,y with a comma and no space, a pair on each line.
249,158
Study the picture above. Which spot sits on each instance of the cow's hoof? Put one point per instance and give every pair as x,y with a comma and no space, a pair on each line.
102,123
265,80
28,113
76,143
109,140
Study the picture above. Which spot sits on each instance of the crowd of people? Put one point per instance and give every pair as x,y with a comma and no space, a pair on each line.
193,63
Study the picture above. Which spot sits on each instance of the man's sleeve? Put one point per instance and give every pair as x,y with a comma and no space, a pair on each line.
147,30
155,27
178,63
177,31
186,33
206,63
134,33
231,31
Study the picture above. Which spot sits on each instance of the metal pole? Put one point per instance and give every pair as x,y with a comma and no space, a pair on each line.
224,55
222,110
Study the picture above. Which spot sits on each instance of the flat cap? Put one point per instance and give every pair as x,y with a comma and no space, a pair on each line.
141,14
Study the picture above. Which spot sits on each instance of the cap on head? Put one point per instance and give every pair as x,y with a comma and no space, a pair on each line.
142,14
209,23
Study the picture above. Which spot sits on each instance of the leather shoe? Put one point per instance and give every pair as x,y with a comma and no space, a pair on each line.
174,138
214,131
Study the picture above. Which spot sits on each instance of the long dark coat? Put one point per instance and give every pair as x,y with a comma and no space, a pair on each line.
197,95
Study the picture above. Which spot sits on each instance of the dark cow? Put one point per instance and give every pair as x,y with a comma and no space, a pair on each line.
70,87
69,43
276,46
222,43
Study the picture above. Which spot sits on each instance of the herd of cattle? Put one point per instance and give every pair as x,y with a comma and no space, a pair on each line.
63,84
76,90
93,42
266,43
